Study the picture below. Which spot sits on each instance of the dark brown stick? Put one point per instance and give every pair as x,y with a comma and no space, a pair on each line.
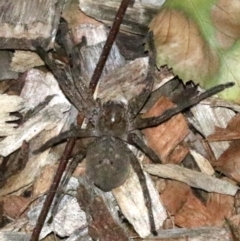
62,166
108,44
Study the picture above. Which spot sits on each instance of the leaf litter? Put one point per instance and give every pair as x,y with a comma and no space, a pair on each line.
188,207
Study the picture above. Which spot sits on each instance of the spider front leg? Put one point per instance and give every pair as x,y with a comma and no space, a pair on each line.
138,142
69,75
136,104
74,132
142,123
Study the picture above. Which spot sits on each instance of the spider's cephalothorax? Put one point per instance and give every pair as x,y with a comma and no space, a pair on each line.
113,120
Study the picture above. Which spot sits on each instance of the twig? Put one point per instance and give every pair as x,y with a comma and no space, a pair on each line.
62,166
108,44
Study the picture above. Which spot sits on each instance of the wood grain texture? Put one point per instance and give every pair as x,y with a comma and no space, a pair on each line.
136,20
24,24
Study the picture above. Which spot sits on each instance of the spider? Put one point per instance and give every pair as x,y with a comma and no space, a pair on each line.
113,125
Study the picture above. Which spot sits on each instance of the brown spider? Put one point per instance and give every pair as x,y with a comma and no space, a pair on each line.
112,124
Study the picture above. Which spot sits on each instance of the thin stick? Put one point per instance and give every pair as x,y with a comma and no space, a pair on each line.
108,44
62,166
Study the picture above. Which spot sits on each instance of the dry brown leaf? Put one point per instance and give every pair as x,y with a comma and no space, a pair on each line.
226,18
180,45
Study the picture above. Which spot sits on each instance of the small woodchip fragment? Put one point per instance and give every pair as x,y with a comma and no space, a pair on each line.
192,178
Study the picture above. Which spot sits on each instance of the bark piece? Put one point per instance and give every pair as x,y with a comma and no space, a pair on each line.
38,85
203,164
25,60
195,234
102,224
221,207
136,19
14,236
131,201
125,83
67,217
231,132
14,206
193,214
192,178
164,138
27,24
174,195
206,118
228,162
9,103
5,71
233,224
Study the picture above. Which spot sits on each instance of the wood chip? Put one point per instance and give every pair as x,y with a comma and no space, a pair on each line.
136,19
25,60
206,118
195,234
9,103
165,138
21,29
130,199
192,178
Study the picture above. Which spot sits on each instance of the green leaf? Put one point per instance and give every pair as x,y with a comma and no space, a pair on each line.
199,39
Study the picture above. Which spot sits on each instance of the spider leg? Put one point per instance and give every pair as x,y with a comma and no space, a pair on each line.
148,202
68,173
64,78
88,104
154,121
76,132
137,103
73,164
138,142
69,76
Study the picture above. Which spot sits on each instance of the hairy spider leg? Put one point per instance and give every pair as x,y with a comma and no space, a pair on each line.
146,194
78,158
142,123
136,103
75,132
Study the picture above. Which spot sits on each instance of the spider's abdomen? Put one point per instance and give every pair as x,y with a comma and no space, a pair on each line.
112,120
107,162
